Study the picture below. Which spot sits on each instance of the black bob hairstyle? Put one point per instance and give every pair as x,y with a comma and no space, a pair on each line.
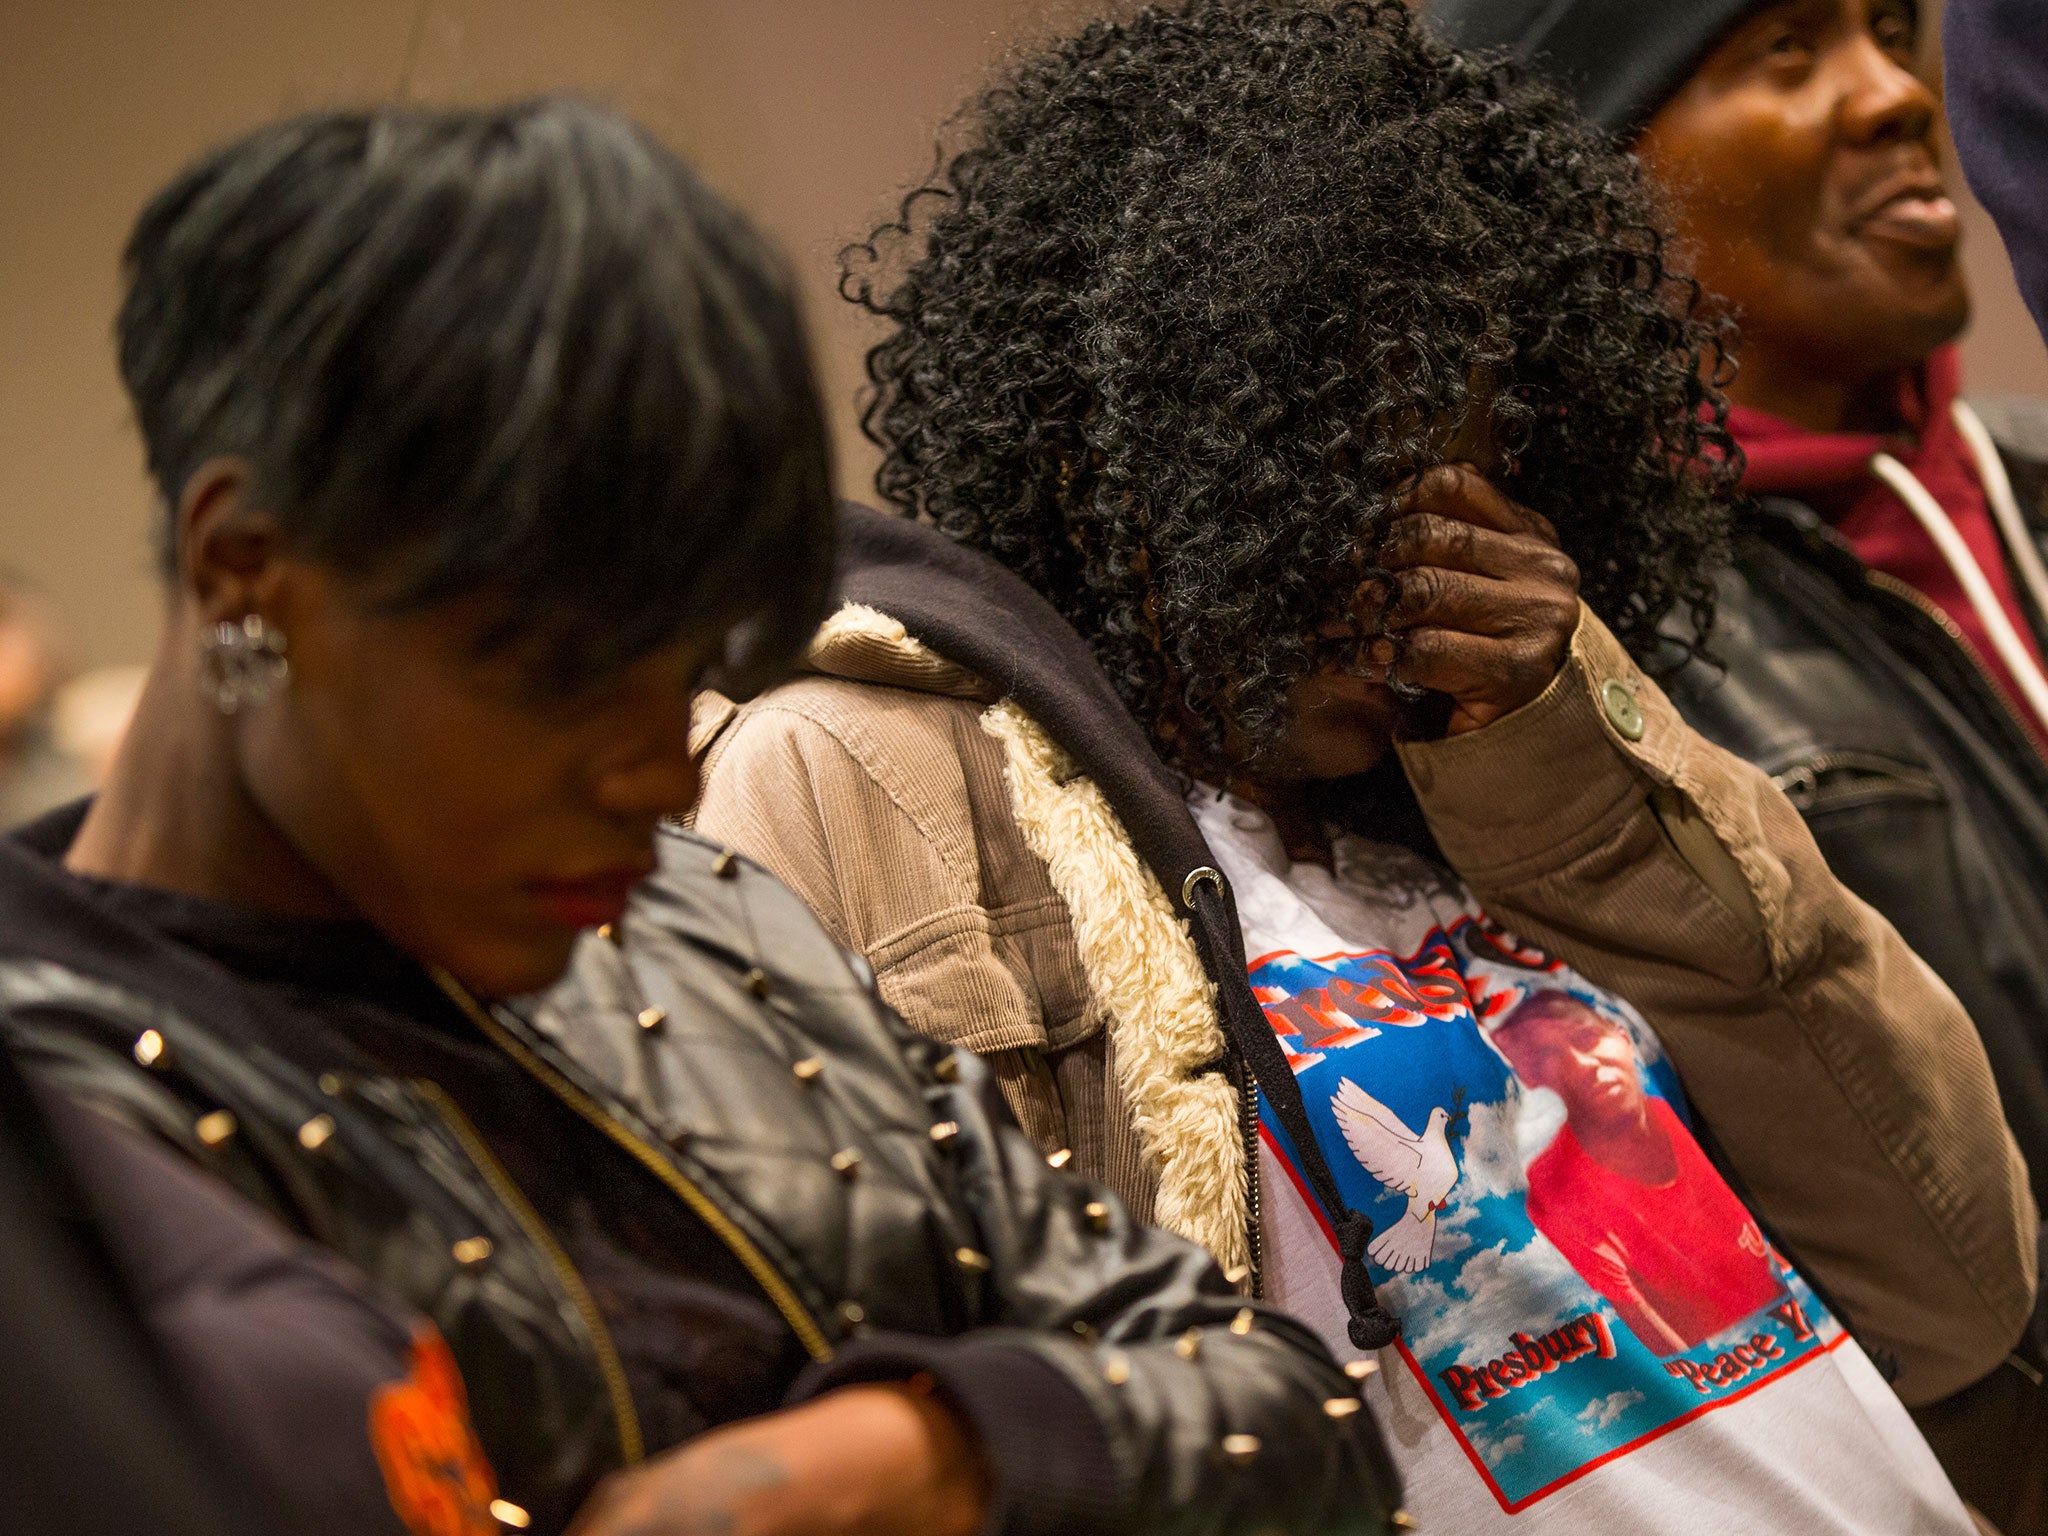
1205,285
520,352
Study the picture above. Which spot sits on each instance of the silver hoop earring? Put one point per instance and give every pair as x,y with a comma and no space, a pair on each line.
242,664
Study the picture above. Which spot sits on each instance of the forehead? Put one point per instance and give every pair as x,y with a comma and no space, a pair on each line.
1815,15
1554,1025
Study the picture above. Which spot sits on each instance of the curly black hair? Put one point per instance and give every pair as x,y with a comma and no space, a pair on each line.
1206,285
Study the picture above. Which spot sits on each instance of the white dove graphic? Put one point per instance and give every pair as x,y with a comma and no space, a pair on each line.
1421,1167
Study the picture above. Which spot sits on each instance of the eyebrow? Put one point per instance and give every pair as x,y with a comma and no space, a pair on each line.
1778,9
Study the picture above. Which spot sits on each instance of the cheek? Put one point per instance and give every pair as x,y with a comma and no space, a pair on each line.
1747,192
1335,749
1619,1058
1337,727
431,820
413,799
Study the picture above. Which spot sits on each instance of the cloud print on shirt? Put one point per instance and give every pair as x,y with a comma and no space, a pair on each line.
1603,1411
1484,1294
1505,1440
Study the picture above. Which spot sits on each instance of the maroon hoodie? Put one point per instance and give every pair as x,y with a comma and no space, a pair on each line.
1830,471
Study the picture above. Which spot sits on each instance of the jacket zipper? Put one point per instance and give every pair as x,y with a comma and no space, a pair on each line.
757,1264
1884,581
2007,646
1879,778
632,1445
1248,1125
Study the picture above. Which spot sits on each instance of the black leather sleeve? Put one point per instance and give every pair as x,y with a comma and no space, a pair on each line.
1114,1380
1218,1414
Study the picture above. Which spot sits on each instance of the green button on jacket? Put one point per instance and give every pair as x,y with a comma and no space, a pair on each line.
1623,713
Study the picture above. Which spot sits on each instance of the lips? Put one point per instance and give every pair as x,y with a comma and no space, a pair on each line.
590,900
1910,210
1928,223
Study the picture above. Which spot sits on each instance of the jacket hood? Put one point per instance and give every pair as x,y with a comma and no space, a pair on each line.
865,645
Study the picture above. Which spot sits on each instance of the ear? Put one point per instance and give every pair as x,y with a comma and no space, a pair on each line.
228,550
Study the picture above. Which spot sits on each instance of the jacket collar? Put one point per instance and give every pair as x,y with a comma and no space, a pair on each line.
204,959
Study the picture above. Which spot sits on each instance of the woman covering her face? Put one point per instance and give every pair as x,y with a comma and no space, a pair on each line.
1309,456
484,439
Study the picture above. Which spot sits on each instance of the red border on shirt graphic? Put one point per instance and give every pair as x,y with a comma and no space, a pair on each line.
1819,1347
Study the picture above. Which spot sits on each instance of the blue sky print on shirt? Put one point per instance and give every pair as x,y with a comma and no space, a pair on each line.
1559,1313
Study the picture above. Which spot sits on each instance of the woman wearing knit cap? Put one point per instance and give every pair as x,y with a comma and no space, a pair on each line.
1880,633
1303,438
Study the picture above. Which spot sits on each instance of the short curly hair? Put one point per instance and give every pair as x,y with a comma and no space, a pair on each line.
1203,289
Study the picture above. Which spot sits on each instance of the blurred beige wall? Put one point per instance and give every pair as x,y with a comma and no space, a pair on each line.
2002,353
813,114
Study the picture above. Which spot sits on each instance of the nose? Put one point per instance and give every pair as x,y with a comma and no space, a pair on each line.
647,771
1587,1062
1881,100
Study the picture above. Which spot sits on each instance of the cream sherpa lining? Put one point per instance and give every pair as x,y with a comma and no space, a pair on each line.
1139,959
1143,966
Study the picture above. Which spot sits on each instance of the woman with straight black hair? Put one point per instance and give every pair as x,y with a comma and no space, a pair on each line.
484,439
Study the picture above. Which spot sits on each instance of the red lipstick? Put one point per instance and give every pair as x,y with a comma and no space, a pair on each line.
590,900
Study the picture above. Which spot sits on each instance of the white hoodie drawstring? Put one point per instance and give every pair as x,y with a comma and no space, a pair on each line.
2005,507
1934,518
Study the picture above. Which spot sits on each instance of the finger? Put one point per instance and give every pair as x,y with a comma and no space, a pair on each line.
1431,598
1449,599
1459,491
1428,539
1486,677
1451,661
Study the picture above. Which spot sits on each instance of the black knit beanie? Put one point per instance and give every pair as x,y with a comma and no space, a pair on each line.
1621,59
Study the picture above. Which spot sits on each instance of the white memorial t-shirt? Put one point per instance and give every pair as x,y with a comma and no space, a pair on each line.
1597,1338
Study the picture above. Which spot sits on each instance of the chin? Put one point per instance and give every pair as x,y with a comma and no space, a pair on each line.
1951,315
1923,309
512,969
1897,338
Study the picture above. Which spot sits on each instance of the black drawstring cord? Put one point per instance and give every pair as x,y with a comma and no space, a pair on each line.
1371,1325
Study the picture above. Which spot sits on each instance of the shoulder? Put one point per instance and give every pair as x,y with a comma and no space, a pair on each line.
822,765
284,1352
1693,1162
715,935
823,725
1554,1198
733,911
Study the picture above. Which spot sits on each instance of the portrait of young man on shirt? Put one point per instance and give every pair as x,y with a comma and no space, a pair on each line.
1624,1192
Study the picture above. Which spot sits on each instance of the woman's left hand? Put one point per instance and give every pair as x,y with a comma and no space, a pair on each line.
879,1460
1487,601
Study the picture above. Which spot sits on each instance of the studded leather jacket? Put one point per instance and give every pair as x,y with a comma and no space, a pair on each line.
867,1180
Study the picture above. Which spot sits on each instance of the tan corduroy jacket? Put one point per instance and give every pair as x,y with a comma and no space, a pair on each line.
937,831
